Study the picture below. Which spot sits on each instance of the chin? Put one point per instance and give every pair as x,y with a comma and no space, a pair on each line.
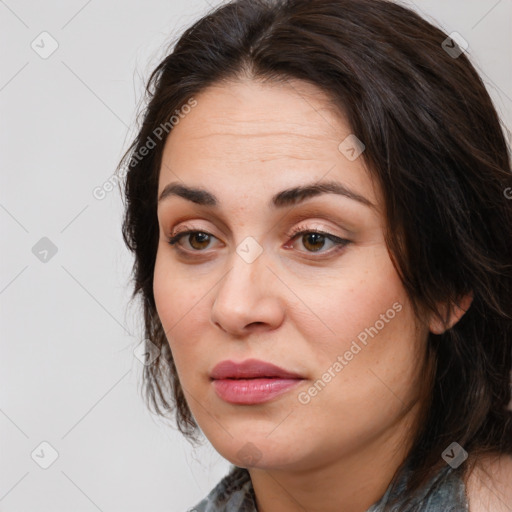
258,451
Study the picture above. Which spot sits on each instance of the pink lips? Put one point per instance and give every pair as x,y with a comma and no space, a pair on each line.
251,381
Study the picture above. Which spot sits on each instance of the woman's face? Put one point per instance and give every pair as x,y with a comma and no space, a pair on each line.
329,309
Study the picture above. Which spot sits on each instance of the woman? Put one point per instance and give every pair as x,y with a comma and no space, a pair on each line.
317,205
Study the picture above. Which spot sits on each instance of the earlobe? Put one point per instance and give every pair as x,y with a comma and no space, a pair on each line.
457,311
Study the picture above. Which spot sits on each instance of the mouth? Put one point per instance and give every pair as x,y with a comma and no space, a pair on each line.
252,381
251,369
253,391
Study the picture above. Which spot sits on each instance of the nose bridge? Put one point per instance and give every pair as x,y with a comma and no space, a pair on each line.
247,266
245,295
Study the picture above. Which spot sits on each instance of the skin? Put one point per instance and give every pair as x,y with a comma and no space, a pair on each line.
291,306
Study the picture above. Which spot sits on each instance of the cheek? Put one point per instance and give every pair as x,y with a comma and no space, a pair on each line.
354,399
165,292
362,301
180,306
177,295
371,372
369,342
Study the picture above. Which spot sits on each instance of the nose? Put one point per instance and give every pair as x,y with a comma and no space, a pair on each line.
248,298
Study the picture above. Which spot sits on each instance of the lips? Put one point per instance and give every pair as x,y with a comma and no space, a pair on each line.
250,369
252,382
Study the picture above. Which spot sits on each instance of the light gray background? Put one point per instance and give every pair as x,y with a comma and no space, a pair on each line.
69,375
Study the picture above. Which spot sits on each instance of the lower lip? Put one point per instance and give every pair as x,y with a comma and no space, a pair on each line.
252,391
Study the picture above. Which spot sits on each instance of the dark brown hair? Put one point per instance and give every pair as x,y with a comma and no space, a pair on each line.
433,143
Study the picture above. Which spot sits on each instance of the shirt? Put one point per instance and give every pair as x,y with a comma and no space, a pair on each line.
445,492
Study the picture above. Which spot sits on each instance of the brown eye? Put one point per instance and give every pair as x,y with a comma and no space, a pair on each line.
198,240
313,241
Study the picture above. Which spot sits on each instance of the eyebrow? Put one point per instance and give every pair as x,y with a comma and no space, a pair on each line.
287,197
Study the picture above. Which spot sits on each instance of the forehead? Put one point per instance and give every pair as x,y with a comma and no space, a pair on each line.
293,110
280,133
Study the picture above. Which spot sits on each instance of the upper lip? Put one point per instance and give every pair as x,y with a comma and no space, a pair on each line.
250,369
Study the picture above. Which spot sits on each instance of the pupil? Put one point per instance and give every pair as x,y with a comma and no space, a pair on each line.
202,237
316,237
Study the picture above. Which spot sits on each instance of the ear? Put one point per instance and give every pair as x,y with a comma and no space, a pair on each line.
452,314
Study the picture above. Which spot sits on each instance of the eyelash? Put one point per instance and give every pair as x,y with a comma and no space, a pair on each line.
340,243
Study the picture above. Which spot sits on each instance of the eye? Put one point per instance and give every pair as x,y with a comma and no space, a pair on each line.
198,240
314,240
